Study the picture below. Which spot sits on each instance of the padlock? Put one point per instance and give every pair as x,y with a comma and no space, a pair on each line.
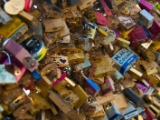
21,54
117,76
51,11
14,25
90,31
135,10
154,78
28,4
130,111
25,36
66,109
113,112
53,25
126,21
9,73
106,8
120,101
116,3
95,55
13,7
130,94
101,19
150,67
122,42
81,66
75,56
154,30
85,4
9,95
146,19
126,8
35,47
107,86
137,35
146,53
71,98
125,59
124,33
91,87
101,69
146,5
5,18
39,101
99,112
78,90
30,19
90,15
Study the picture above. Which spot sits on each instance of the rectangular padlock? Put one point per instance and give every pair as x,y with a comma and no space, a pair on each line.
150,67
107,86
39,101
113,113
154,30
125,59
137,35
146,5
146,19
84,4
14,25
153,79
22,55
102,70
78,90
53,25
130,94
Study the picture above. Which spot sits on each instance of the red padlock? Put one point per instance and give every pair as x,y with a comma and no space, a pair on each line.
28,4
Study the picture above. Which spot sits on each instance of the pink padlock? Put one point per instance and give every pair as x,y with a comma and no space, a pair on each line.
146,5
20,69
101,19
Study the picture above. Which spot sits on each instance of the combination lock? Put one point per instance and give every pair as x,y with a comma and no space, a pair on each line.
35,47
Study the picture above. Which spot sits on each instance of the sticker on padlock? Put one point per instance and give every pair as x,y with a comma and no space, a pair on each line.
19,68
60,60
125,59
7,74
21,54
13,7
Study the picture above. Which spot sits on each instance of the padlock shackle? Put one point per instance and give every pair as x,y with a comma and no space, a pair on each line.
8,56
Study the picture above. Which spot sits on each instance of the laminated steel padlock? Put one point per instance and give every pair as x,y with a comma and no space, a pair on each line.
35,47
21,55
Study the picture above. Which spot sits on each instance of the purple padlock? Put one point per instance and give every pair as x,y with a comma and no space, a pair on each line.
146,5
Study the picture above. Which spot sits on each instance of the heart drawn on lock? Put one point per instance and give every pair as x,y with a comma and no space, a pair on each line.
13,7
63,60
